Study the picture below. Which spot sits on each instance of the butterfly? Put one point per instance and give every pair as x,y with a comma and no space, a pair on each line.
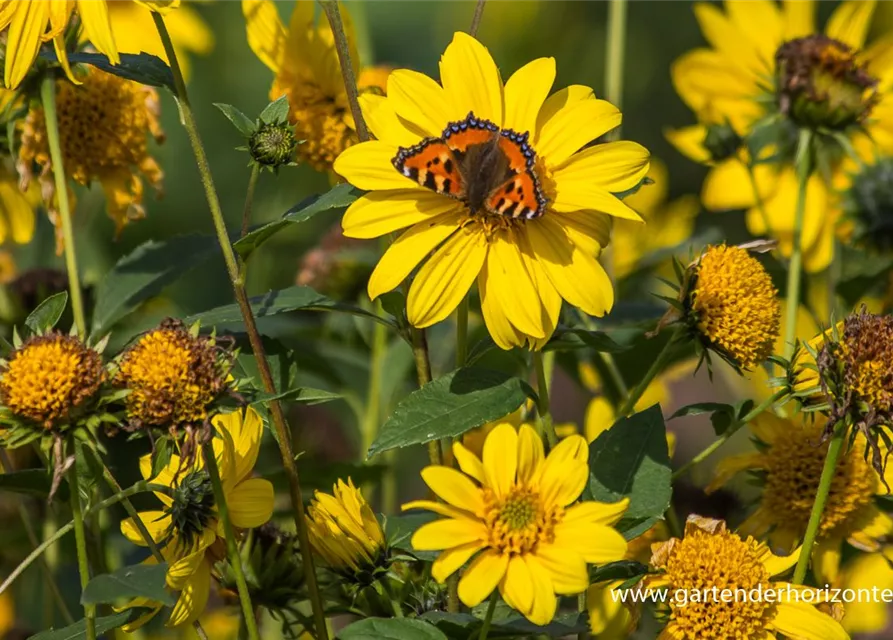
488,168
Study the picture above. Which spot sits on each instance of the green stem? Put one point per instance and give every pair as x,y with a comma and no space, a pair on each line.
804,151
716,444
815,518
423,373
488,617
659,364
673,524
543,406
476,19
372,417
48,98
249,198
614,56
80,539
462,333
283,438
389,594
342,46
232,546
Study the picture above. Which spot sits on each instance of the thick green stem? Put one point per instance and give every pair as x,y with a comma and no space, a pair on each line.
232,545
462,333
818,507
80,538
48,98
716,444
488,617
342,46
476,19
279,423
544,407
795,270
249,198
660,363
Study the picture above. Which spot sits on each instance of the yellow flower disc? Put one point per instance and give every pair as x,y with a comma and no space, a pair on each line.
735,305
173,377
49,376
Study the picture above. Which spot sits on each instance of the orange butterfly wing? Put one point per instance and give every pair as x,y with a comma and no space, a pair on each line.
521,195
432,164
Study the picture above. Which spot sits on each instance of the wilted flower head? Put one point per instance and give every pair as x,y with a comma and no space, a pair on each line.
104,126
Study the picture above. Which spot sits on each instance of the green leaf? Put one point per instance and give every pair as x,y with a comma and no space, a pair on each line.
574,338
631,460
32,482
47,313
338,197
143,274
281,301
137,581
276,111
398,532
450,406
391,629
620,570
164,449
242,122
464,625
140,67
78,631
644,182
700,408
301,395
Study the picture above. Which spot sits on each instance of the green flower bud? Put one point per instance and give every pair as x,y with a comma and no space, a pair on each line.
273,145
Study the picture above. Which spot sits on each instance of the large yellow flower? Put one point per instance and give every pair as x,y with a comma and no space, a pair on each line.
790,461
525,258
708,556
732,84
33,22
188,526
515,511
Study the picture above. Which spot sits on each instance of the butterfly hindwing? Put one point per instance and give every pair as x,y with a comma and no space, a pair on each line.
521,195
432,164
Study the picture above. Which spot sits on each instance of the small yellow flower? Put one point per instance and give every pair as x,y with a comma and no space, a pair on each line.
30,23
104,126
49,377
514,510
734,305
305,62
188,526
790,462
708,556
344,531
530,241
173,376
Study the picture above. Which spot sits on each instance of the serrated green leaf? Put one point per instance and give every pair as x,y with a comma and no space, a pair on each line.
630,460
164,450
137,581
338,197
47,313
450,406
78,631
140,67
276,111
32,482
143,274
391,629
242,122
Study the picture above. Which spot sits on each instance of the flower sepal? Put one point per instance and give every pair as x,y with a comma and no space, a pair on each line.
271,138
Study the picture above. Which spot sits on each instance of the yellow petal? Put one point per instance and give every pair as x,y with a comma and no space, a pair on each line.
728,186
826,560
566,568
804,622
469,463
731,466
509,282
549,297
689,141
193,598
156,522
849,22
380,212
408,251
702,75
266,33
251,503
436,507
481,577
448,533
184,562
454,487
23,40
775,564
517,586
561,99
246,430
446,277
725,35
451,560
504,334
613,166
604,513
594,226
98,28
595,542
420,100
576,193
501,459
563,480
471,80
161,6
600,417
762,23
368,166
530,453
573,127
544,601
382,120
525,93
799,18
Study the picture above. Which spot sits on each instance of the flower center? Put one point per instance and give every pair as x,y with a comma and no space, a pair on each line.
820,83
867,355
703,561
793,469
520,521
193,507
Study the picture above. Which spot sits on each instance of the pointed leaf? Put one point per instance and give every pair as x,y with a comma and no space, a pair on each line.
391,629
301,395
276,111
78,630
47,313
137,581
33,482
144,68
242,122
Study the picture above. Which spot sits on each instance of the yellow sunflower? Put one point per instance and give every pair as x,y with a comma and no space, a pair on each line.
514,510
709,555
188,527
731,84
527,253
789,462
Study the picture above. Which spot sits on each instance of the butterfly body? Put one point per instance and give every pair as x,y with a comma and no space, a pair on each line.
488,168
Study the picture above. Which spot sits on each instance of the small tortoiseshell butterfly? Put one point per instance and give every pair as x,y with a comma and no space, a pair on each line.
488,168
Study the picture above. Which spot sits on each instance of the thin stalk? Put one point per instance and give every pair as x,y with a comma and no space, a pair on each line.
614,56
659,364
815,518
423,372
48,98
488,617
342,46
80,539
716,444
673,523
279,423
389,594
804,152
462,331
544,406
372,417
232,547
476,19
249,198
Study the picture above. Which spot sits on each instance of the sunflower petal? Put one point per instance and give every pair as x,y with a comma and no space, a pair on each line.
849,22
193,598
471,79
525,93
573,127
482,576
251,503
98,27
266,33
451,560
517,586
29,21
566,568
448,533
380,212
454,488
368,166
804,622
614,166
420,100
501,459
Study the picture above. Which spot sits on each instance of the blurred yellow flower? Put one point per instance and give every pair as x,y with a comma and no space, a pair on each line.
17,209
104,126
789,462
874,572
7,613
525,219
514,510
30,23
